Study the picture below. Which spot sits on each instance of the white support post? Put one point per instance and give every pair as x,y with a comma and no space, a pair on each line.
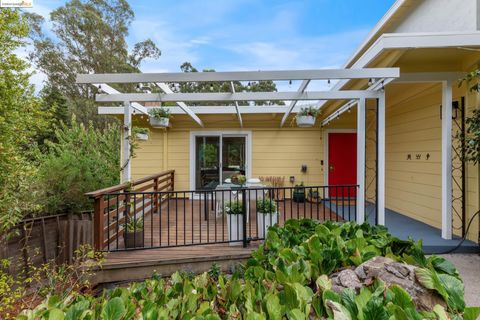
127,131
447,159
381,160
361,161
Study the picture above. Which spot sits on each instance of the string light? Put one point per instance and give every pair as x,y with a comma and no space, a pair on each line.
290,83
370,81
328,82
211,86
248,86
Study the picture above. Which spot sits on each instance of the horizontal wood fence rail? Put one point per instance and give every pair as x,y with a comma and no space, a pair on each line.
232,215
112,213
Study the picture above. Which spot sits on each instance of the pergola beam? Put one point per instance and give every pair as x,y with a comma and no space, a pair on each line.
239,115
181,104
211,109
301,89
109,90
320,74
239,96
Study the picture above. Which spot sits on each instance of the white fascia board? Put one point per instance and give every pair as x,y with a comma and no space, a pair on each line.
409,41
318,74
239,96
429,77
375,31
212,109
181,104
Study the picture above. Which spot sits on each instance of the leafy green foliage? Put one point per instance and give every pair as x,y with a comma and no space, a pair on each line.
266,205
159,113
134,225
285,279
21,119
234,207
83,159
308,111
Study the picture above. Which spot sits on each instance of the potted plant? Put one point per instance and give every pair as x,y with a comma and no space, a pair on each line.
234,211
134,233
313,196
299,193
140,133
238,179
306,116
267,215
159,117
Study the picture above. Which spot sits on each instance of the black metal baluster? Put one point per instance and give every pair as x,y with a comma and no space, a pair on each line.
184,218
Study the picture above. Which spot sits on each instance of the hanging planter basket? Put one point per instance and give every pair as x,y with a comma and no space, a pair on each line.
159,122
305,121
142,136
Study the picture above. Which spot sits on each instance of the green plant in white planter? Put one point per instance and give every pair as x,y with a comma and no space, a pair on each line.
159,117
134,233
306,116
234,211
267,215
140,133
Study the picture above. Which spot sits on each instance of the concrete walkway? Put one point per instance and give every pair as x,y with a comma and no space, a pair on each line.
468,266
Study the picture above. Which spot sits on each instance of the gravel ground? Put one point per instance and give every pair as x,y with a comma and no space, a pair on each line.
469,267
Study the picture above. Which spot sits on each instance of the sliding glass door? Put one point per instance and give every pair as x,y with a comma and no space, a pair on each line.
217,158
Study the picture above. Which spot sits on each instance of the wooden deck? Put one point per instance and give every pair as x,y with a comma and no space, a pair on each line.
181,237
184,222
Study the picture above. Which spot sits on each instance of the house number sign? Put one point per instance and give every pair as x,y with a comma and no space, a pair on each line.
418,156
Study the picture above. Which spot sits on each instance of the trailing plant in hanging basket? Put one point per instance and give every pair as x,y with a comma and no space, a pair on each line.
306,116
159,117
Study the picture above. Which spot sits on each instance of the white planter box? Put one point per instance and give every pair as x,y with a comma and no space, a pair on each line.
265,221
142,136
159,122
235,229
305,121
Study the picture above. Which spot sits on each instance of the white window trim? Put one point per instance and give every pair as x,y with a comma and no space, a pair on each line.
194,134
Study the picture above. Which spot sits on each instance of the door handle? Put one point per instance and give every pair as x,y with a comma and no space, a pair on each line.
331,168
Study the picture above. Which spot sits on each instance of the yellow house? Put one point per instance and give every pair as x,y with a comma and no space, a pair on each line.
398,146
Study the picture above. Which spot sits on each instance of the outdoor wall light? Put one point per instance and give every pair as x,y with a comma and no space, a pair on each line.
292,179
304,168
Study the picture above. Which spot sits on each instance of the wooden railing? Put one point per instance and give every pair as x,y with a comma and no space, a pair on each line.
108,226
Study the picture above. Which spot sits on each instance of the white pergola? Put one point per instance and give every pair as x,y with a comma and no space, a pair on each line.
131,103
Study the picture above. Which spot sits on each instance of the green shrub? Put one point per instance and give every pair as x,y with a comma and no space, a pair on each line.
266,206
234,207
134,225
84,159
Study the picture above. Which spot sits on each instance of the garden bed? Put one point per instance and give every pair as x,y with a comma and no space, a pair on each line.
293,275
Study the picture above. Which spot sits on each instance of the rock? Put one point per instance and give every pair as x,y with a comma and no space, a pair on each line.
390,272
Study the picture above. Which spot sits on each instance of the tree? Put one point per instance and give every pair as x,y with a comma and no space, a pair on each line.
21,119
79,159
255,86
89,38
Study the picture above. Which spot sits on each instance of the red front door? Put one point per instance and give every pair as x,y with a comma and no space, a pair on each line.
342,163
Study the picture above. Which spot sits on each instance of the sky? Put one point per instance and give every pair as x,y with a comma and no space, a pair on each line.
231,35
